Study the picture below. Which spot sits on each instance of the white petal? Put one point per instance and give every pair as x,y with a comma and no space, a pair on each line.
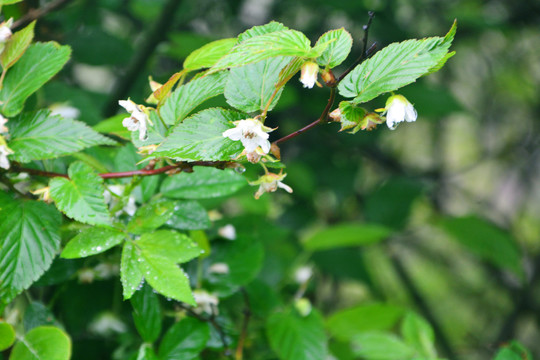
4,162
129,105
250,144
234,134
142,130
285,187
410,113
265,146
130,124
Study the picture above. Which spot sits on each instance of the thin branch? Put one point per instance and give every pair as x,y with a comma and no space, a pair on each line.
320,120
148,171
245,324
147,48
34,14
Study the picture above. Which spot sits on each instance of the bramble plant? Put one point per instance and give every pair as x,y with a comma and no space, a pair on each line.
142,209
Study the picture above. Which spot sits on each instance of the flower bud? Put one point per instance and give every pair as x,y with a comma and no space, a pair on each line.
308,75
399,109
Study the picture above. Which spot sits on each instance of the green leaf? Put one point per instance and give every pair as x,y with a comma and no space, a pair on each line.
7,336
339,47
346,235
157,256
244,257
203,183
200,137
513,351
351,116
17,45
29,240
151,215
419,334
294,337
147,314
37,314
258,48
486,241
187,97
344,324
170,245
9,2
209,54
393,67
448,39
43,343
272,26
146,352
377,345
40,136
92,241
40,62
189,215
81,197
130,274
184,340
250,87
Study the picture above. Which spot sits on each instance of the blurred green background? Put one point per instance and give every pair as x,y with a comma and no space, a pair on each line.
459,186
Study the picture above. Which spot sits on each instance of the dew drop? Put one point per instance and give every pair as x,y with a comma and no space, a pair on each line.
240,169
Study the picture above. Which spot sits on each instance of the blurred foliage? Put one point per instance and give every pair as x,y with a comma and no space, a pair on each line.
472,157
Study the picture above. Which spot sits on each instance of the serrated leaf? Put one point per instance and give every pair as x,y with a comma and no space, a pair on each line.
339,46
7,335
92,241
250,87
9,2
380,346
202,183
81,197
162,273
258,30
43,343
188,96
37,314
146,314
258,48
346,235
393,67
294,337
130,274
40,62
448,39
184,340
290,70
485,240
189,215
40,136
170,245
200,137
17,45
29,239
344,324
419,334
209,54
150,216
351,115
155,134
161,93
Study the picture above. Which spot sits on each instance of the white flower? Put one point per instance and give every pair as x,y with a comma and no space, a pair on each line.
3,127
137,120
4,152
205,302
106,324
112,195
252,133
308,74
270,183
219,268
5,31
65,111
399,109
303,274
228,232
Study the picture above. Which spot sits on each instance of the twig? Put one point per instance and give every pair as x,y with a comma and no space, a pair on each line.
152,40
182,166
245,323
34,14
423,306
366,53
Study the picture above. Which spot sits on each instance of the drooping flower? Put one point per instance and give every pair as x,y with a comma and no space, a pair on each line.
270,183
206,302
3,127
114,194
399,109
228,232
252,133
308,74
303,274
65,111
138,118
5,31
4,152
219,268
44,194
